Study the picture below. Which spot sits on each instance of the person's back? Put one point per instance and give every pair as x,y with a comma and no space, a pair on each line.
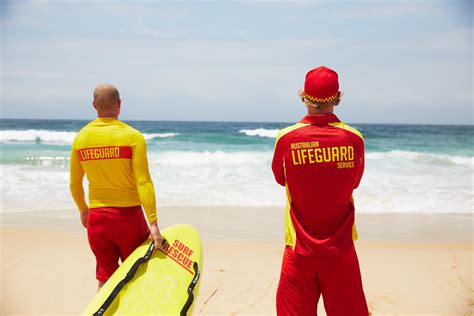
113,156
320,161
110,152
323,164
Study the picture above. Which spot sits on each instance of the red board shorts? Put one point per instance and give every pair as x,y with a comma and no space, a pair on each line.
114,233
303,279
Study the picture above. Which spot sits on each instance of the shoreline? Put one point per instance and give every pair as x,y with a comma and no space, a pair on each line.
266,223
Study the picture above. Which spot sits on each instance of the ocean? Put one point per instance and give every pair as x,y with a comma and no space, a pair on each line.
409,168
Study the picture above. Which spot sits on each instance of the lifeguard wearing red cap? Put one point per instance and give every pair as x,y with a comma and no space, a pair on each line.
321,85
320,162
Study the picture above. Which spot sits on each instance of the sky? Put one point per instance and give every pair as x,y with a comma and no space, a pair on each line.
407,62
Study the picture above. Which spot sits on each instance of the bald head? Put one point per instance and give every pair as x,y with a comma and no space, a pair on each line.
106,97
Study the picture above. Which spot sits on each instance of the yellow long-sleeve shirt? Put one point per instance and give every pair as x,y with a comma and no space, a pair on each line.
113,156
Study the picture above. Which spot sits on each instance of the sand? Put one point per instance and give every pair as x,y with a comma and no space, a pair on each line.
411,264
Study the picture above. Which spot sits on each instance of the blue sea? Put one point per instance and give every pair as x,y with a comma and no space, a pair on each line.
409,168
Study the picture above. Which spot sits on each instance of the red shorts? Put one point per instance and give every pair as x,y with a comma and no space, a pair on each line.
114,233
303,279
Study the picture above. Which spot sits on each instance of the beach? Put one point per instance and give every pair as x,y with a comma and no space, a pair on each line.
413,214
230,96
411,264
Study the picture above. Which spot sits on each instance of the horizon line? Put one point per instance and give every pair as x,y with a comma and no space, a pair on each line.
226,121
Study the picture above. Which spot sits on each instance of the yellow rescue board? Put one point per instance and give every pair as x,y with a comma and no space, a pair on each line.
160,285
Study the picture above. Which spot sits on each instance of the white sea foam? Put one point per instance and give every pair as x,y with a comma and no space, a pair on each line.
47,158
210,158
393,181
37,135
260,157
55,137
260,132
422,157
159,135
33,188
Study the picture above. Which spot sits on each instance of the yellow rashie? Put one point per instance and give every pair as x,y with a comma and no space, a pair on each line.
112,182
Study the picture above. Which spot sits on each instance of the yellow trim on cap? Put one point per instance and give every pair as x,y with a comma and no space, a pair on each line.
314,99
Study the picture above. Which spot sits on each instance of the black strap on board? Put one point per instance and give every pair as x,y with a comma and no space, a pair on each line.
191,287
125,280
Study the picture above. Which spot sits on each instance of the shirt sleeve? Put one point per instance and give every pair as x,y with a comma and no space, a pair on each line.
278,164
361,162
76,174
145,188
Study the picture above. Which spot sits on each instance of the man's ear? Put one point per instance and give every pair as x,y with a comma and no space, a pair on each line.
119,103
93,104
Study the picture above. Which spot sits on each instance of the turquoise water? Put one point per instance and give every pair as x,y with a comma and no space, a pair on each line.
409,168
50,136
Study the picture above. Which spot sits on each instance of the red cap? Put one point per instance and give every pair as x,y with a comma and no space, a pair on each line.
321,84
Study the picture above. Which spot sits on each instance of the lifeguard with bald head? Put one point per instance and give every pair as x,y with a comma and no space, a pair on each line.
113,155
107,100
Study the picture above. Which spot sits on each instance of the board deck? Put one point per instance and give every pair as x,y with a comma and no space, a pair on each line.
160,285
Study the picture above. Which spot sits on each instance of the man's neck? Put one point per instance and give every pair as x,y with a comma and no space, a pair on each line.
323,111
107,115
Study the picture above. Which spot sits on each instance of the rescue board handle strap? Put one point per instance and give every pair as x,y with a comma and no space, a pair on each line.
191,287
125,280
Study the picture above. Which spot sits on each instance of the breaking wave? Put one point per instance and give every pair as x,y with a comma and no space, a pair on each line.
260,132
55,137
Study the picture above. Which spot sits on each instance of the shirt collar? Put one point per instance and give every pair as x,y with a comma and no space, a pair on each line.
105,119
320,120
